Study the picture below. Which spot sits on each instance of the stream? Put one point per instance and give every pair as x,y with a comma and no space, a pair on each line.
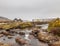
31,41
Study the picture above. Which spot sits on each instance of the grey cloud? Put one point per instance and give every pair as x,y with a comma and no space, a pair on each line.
30,9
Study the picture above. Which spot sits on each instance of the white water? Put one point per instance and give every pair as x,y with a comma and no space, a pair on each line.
27,35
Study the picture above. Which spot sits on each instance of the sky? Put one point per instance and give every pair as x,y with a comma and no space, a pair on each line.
30,9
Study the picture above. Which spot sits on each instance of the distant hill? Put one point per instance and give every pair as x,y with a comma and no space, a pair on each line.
4,19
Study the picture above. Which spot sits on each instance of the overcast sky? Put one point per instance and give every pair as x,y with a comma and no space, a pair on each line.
30,9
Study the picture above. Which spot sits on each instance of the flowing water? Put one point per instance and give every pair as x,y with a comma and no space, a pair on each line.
32,41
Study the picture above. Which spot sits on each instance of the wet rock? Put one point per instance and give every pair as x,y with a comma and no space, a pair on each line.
20,41
3,44
1,35
5,33
9,36
46,37
7,29
35,32
12,32
16,32
21,33
57,43
31,37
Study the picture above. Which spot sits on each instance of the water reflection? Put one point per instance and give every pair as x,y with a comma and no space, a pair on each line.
43,26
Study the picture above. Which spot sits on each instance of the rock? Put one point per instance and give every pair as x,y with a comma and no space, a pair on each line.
46,37
1,35
57,43
20,41
35,32
4,44
31,37
21,33
9,37
1,43
5,33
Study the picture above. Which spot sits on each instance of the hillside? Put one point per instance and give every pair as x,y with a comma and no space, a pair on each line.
4,19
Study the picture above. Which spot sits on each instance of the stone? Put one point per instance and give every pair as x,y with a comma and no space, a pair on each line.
1,35
21,33
9,37
20,41
4,44
57,43
46,37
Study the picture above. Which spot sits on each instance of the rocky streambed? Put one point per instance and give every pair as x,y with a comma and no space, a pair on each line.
37,37
18,37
